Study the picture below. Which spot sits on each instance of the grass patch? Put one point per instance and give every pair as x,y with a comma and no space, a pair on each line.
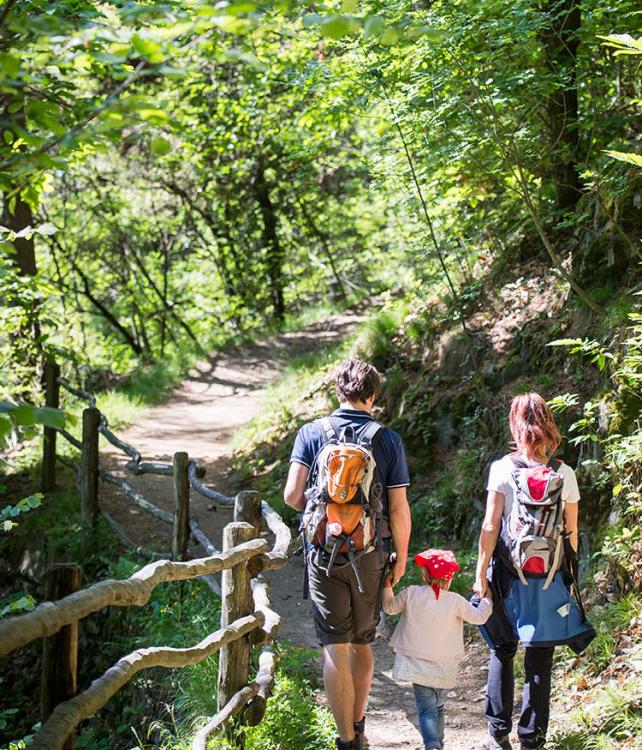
293,719
601,697
611,721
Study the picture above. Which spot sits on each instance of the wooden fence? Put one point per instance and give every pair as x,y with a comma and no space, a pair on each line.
247,619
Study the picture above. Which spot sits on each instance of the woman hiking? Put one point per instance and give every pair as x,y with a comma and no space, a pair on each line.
521,548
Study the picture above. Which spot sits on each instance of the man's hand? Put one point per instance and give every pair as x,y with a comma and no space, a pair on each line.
398,568
400,526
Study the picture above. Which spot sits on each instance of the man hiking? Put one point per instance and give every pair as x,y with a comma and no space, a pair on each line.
349,476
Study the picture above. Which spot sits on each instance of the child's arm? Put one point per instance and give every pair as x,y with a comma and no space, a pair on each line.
393,605
476,615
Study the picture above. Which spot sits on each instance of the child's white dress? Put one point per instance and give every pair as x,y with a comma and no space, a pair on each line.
429,639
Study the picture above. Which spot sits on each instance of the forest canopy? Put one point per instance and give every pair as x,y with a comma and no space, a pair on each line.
175,174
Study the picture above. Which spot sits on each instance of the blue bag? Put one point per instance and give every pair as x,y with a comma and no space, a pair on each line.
547,618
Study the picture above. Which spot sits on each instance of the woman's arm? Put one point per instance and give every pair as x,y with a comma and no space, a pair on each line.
571,515
488,539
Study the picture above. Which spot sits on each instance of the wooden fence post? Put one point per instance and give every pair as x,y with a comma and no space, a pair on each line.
247,507
89,471
52,399
60,651
236,601
180,535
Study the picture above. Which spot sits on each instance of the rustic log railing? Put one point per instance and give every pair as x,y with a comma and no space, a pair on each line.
247,619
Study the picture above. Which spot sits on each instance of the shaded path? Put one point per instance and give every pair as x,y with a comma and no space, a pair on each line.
201,417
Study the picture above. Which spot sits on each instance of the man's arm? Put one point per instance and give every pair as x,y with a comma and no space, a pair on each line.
488,539
400,525
294,493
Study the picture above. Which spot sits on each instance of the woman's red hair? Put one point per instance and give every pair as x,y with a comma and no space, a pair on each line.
532,425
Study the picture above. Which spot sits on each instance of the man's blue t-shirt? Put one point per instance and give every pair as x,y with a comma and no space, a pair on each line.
388,450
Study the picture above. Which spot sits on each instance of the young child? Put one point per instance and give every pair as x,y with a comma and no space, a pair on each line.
429,639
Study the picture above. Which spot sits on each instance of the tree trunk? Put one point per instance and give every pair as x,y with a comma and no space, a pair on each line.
271,240
560,40
26,345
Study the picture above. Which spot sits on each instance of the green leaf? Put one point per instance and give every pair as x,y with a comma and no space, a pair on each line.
50,417
373,27
160,146
628,157
148,48
565,342
349,6
9,64
337,27
5,427
415,32
153,116
390,37
27,415
33,501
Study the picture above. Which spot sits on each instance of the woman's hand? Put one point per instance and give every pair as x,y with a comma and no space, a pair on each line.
481,587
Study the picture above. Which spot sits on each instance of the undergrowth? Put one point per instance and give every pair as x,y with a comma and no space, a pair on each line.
600,694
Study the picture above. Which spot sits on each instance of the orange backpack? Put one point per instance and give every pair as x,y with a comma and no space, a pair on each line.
345,498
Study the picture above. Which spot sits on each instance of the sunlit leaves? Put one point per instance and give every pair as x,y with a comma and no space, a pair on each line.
148,48
630,158
624,44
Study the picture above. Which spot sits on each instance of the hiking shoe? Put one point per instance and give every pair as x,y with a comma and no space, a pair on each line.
361,743
349,745
490,743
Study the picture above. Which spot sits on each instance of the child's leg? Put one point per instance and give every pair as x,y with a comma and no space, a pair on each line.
427,708
441,715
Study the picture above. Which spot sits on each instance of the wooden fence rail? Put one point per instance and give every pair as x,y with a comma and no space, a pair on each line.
245,605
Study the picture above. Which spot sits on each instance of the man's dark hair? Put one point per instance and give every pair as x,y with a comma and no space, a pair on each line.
355,380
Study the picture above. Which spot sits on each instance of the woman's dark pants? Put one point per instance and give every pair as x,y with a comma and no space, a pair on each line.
533,722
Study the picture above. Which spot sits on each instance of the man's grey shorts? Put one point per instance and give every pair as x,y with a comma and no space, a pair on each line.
341,613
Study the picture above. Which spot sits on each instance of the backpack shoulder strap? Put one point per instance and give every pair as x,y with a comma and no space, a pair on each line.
371,433
518,461
327,429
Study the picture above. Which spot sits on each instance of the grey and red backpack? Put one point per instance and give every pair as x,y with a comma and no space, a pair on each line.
532,535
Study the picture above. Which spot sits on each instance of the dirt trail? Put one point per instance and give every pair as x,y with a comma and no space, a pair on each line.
201,417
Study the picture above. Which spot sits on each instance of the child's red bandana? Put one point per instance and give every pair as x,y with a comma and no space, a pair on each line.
440,563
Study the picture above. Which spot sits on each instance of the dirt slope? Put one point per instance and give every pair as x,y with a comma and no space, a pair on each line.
201,417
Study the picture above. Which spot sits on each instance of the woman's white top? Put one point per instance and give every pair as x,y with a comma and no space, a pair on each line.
499,480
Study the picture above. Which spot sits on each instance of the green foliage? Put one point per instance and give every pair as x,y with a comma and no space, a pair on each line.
13,416
293,719
441,509
596,353
611,710
9,512
610,722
